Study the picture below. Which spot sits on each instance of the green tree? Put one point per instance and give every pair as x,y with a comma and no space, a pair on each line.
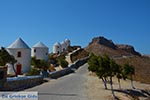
93,63
5,57
38,63
97,65
105,68
128,71
119,74
104,63
113,70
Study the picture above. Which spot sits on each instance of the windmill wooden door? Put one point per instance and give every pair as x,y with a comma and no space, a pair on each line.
18,69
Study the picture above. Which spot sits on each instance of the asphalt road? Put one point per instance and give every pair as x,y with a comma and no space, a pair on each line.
69,87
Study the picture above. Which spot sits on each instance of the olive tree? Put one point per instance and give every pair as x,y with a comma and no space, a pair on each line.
129,71
5,58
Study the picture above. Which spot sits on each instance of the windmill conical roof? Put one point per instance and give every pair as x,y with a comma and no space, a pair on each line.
40,45
19,43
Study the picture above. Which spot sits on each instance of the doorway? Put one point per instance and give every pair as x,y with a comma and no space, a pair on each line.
18,69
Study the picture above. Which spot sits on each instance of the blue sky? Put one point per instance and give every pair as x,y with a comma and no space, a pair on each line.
49,21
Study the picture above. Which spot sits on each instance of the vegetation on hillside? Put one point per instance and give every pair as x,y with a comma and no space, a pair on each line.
79,55
141,66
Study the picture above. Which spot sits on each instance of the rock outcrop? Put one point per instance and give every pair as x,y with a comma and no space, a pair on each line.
101,45
122,53
128,48
103,41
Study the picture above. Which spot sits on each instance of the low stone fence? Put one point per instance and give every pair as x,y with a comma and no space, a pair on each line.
60,73
69,69
3,75
19,83
80,62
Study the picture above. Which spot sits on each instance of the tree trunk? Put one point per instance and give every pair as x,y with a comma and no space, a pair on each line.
132,82
105,83
119,83
14,69
112,90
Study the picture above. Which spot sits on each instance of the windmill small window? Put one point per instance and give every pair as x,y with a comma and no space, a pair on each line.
19,54
34,50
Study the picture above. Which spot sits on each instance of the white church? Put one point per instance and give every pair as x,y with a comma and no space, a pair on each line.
61,47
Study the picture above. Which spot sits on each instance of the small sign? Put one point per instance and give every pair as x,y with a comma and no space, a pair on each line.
18,95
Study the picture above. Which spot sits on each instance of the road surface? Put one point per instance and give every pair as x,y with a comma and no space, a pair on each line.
69,87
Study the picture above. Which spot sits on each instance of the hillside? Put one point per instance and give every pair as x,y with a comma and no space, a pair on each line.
122,53
101,45
142,67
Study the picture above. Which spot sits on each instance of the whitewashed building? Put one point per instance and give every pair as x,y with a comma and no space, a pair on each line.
68,43
61,47
40,51
57,48
22,53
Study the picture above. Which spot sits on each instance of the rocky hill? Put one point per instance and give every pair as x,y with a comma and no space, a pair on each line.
101,45
122,53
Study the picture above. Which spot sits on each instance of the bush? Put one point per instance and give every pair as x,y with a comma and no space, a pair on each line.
63,63
34,71
37,63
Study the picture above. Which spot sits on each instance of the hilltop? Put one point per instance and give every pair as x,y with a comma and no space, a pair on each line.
101,45
122,53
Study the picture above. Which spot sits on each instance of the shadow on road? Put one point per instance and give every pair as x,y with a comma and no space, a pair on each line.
135,93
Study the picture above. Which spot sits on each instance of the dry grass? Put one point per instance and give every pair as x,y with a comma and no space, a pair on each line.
142,67
96,91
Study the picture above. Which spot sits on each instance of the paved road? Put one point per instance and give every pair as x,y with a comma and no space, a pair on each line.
70,87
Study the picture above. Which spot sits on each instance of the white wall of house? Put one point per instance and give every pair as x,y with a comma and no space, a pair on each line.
24,60
64,46
58,48
22,53
40,51
68,43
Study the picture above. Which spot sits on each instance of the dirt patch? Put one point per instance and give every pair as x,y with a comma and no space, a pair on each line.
96,91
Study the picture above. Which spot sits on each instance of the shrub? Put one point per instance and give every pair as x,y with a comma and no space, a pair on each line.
63,63
34,71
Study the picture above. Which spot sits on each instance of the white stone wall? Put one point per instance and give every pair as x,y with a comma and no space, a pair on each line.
58,48
24,60
40,53
55,49
63,46
10,69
